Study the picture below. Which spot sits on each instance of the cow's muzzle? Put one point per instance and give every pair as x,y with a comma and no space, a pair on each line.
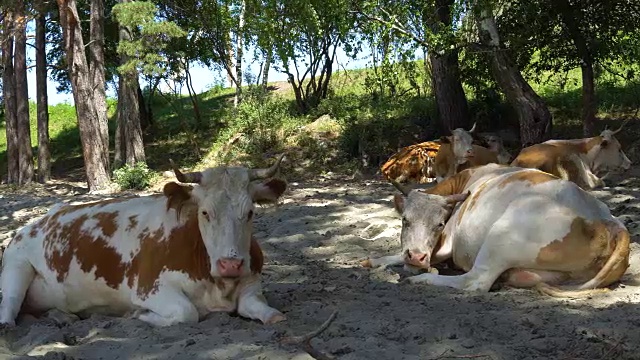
230,267
417,259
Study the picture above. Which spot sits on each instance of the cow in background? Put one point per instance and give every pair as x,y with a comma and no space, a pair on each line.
577,160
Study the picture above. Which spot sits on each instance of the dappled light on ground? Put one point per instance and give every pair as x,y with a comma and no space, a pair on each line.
313,242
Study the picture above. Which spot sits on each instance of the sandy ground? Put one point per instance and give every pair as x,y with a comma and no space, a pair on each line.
313,242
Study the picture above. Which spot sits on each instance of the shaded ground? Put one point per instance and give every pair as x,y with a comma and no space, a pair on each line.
313,242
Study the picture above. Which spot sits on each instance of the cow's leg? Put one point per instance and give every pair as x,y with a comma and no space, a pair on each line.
253,305
383,261
480,278
16,279
167,306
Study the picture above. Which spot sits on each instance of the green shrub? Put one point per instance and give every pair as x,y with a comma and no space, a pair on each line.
136,177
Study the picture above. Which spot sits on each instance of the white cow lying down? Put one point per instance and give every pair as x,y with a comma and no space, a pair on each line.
166,258
525,226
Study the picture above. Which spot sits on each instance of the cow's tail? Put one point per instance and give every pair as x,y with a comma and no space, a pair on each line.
611,272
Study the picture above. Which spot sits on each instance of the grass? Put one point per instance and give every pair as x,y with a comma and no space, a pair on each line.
359,126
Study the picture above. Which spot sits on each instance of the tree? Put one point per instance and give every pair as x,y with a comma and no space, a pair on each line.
129,146
9,97
44,154
431,25
567,34
25,152
450,97
533,115
92,125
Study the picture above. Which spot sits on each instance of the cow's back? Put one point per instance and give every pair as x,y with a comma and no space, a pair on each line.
522,199
83,254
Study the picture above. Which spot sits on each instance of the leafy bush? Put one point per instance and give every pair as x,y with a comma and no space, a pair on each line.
136,177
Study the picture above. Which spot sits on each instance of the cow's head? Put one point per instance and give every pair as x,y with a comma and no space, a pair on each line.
607,154
222,200
424,217
461,142
495,144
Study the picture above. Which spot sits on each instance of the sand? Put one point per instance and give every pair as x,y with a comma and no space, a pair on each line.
313,242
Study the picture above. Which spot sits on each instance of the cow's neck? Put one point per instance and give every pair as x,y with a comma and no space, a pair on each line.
584,147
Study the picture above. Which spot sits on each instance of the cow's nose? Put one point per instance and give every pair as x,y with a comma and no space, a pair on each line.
470,152
417,258
230,267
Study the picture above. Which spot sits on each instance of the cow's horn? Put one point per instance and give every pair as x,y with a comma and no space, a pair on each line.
621,126
473,128
265,173
192,177
403,189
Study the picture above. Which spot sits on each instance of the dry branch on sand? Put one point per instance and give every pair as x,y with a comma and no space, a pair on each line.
305,340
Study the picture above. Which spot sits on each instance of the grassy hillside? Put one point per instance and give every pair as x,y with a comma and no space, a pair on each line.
357,125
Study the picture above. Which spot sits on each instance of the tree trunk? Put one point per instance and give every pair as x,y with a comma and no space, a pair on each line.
44,155
97,74
450,97
588,99
445,74
22,98
267,65
145,114
239,45
92,137
129,145
9,97
533,114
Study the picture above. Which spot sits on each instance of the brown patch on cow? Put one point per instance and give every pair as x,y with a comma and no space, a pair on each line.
33,232
532,177
107,222
181,250
591,143
177,196
584,249
133,222
451,185
18,238
63,242
470,202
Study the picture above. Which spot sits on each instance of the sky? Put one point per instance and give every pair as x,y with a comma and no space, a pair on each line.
203,78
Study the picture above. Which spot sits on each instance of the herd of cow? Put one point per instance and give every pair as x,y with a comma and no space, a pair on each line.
174,257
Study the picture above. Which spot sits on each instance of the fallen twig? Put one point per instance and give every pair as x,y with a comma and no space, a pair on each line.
305,340
472,356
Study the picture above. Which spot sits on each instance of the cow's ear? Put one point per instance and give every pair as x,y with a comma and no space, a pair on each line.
398,202
268,191
445,139
177,196
604,143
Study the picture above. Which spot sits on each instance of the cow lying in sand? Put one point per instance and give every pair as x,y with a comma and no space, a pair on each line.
577,160
413,163
168,258
525,226
458,152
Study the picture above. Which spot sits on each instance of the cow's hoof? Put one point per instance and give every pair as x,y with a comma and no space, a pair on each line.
366,263
276,318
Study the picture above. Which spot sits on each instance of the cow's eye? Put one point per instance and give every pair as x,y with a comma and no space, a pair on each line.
205,213
441,225
250,215
405,222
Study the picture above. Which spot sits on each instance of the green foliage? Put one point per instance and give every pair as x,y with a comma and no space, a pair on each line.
148,50
136,177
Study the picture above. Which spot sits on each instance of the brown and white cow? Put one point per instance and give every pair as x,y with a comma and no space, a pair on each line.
525,226
495,144
458,152
166,259
413,163
577,160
